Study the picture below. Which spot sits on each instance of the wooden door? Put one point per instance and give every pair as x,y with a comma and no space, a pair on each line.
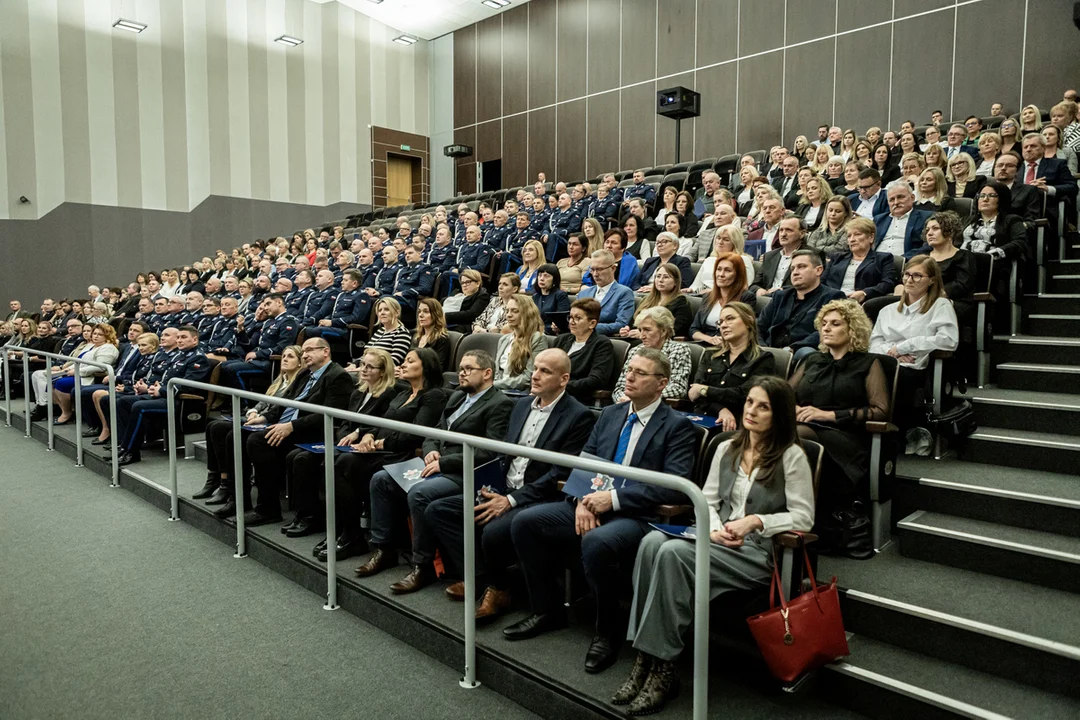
398,181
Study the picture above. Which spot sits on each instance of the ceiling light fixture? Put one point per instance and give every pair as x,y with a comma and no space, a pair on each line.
405,40
129,25
496,4
375,2
288,40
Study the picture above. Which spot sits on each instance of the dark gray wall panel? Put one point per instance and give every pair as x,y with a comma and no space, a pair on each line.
541,53
489,69
810,19
603,124
917,46
911,7
638,127
807,100
515,148
603,45
674,29
488,141
761,25
542,142
1004,20
1053,53
852,14
515,80
716,136
570,154
466,167
665,127
572,24
760,99
869,104
717,33
638,40
465,76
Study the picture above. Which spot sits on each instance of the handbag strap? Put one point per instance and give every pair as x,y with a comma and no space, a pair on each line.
775,585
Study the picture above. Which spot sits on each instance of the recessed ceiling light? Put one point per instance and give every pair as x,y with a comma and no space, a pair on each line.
129,25
496,4
405,40
288,40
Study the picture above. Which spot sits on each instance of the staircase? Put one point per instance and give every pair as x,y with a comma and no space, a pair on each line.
974,610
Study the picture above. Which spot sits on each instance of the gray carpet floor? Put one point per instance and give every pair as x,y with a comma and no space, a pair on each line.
109,611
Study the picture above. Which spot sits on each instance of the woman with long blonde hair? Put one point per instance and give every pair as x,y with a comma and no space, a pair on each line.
522,340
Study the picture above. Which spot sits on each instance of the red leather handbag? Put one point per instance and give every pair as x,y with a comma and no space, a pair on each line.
802,634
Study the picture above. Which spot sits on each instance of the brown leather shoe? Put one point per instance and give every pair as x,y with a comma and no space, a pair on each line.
493,604
456,592
380,560
420,577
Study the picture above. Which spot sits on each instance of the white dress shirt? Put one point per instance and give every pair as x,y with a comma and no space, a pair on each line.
893,242
781,270
643,417
866,207
848,283
915,333
530,433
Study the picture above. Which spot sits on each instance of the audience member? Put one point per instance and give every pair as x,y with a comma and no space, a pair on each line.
592,356
616,300
521,342
656,330
861,273
493,318
787,321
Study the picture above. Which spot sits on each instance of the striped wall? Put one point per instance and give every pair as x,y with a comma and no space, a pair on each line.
201,103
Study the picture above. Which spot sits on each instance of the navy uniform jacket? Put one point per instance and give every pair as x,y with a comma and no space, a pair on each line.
441,258
518,240
644,191
157,322
192,317
539,221
616,194
277,334
144,368
189,365
459,233
387,278
159,364
320,305
338,274
249,338
219,335
584,206
173,319
367,275
474,255
349,308
564,222
414,282
205,322
496,237
288,273
296,302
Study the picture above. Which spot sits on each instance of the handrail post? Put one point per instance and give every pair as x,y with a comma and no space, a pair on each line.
114,434
170,419
48,392
701,607
468,494
7,388
78,416
26,395
331,514
238,478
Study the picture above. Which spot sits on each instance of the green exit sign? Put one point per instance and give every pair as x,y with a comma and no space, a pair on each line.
406,147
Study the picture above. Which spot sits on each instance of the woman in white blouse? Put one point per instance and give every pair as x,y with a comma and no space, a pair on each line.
728,239
923,321
762,469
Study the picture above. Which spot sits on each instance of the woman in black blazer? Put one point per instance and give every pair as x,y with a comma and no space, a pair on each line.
474,298
961,180
420,402
724,375
592,356
876,274
551,300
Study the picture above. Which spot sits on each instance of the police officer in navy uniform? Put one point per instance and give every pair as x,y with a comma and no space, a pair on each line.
415,280
159,316
442,255
470,219
321,302
296,301
562,223
500,230
582,199
277,332
606,207
386,278
639,190
192,314
523,233
217,338
211,309
365,265
474,254
538,220
350,307
188,363
175,317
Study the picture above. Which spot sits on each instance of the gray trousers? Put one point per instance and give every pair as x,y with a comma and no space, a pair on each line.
663,606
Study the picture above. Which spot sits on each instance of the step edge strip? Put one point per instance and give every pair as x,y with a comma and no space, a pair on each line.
1024,441
1038,340
1053,316
930,697
1035,642
1034,367
1019,403
999,492
992,542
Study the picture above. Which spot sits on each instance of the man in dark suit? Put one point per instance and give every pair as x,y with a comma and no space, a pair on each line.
900,231
475,408
870,200
1027,200
788,183
321,382
788,320
606,526
1049,175
549,419
954,140
775,270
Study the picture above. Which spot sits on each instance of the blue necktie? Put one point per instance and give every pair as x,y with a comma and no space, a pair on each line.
290,413
624,438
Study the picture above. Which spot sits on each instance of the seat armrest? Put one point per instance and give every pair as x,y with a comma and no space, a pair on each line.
275,358
983,297
673,402
669,512
1042,223
794,540
356,326
941,354
189,396
879,427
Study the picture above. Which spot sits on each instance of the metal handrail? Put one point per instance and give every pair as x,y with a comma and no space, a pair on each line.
468,442
109,371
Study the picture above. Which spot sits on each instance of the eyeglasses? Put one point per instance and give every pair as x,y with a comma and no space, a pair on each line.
915,277
641,373
868,187
369,367
986,196
465,370
601,268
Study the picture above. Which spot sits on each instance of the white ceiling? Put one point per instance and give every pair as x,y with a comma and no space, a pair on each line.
426,19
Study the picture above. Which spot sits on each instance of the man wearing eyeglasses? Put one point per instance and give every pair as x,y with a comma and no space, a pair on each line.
475,408
606,526
616,300
954,142
974,127
869,201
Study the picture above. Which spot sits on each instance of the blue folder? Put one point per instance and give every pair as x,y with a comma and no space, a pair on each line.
685,532
584,482
706,421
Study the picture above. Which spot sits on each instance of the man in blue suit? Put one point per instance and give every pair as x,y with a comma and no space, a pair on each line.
954,140
616,300
548,419
870,200
606,526
900,231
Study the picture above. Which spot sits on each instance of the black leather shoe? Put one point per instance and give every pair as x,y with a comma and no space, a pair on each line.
91,432
227,510
320,548
220,497
535,625
39,413
207,489
289,525
100,443
254,518
345,549
129,458
303,527
603,652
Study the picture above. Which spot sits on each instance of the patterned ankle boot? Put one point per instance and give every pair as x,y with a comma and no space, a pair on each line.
634,683
662,686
